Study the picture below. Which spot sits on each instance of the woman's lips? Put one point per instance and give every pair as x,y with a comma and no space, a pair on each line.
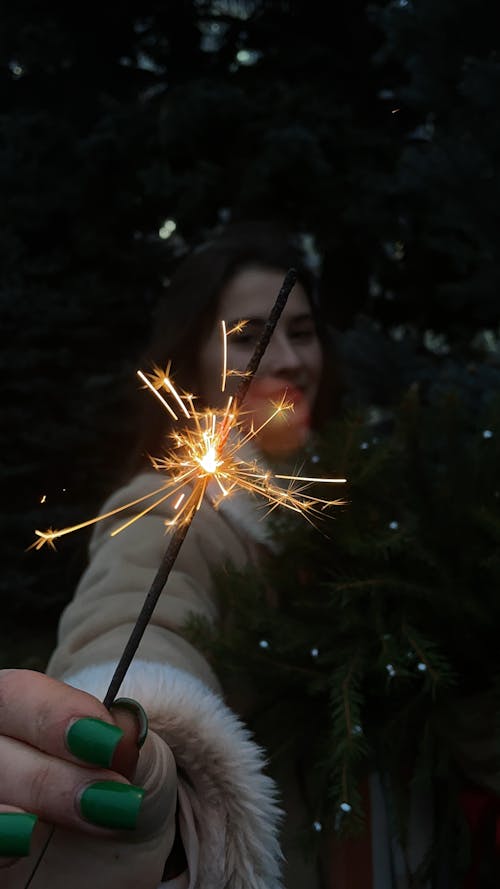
289,429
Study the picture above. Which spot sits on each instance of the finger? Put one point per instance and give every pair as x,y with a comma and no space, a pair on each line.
16,831
60,792
63,721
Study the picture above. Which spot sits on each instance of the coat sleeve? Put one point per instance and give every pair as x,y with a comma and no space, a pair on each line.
228,814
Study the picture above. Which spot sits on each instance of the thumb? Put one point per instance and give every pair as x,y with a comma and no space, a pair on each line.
157,773
146,760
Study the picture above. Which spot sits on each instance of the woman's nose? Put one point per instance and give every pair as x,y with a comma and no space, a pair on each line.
281,356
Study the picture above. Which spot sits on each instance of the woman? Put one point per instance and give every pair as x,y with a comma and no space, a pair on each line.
185,803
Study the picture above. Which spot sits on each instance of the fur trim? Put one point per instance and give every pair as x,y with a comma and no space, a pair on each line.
233,802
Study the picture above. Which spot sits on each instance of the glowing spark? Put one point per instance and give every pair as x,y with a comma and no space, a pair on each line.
238,373
50,535
43,498
224,356
170,386
306,478
238,327
154,390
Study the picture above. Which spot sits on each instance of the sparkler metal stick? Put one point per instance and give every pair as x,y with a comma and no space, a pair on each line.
179,534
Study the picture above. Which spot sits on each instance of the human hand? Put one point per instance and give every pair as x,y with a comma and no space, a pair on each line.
65,760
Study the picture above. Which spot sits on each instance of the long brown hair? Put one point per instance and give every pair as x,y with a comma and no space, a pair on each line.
187,312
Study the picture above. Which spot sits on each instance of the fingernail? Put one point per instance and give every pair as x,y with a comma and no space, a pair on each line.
112,804
93,740
16,829
139,713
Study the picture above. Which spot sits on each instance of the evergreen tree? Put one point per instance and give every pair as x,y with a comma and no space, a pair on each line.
369,643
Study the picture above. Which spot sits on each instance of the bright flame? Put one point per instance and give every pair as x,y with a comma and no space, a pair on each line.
209,449
209,461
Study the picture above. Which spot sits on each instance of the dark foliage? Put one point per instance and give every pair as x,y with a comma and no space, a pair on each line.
370,643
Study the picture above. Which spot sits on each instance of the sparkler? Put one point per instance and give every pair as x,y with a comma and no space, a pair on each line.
205,453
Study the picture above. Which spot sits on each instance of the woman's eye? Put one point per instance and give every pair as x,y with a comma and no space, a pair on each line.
303,334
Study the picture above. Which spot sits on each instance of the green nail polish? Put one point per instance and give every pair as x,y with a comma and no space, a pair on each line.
139,713
16,829
93,740
111,804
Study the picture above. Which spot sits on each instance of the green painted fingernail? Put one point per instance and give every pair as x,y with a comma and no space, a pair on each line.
93,740
16,829
140,714
111,804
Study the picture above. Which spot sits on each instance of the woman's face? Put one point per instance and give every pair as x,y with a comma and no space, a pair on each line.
291,366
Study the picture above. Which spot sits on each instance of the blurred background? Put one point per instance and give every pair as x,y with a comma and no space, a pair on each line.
130,130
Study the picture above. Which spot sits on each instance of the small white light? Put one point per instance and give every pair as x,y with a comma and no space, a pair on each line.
364,446
345,807
167,229
390,669
422,667
394,526
314,652
317,826
263,643
356,730
247,56
16,69
314,458
487,433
